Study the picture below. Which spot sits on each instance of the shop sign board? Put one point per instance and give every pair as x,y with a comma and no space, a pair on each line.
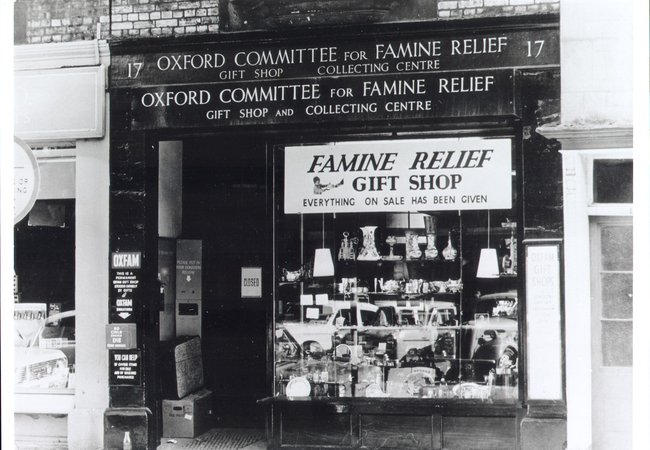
399,176
443,74
543,321
125,367
121,336
125,280
325,100
251,282
365,55
26,179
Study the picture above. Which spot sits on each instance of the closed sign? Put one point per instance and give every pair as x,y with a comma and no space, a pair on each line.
251,282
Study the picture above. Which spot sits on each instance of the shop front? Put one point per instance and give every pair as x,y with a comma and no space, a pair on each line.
60,372
366,226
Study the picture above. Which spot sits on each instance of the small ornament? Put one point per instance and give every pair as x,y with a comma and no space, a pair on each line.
431,252
346,252
369,250
412,248
509,261
391,241
449,252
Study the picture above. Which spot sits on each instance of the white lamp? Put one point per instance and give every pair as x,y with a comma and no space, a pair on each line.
488,263
323,263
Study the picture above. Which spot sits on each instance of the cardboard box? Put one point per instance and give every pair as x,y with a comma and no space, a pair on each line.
188,417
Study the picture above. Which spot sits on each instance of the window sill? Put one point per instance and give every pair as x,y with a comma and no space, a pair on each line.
44,401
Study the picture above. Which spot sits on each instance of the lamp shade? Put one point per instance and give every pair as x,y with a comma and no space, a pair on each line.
488,265
323,263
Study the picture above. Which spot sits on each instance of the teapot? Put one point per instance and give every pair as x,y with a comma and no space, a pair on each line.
292,275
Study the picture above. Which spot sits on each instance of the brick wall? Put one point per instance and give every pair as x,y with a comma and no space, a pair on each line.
67,20
145,18
472,8
43,21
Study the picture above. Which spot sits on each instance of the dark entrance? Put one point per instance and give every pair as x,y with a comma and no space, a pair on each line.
227,204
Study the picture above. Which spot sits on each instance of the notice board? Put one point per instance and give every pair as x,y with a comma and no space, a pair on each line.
544,320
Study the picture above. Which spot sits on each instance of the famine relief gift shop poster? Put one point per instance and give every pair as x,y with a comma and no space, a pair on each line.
398,176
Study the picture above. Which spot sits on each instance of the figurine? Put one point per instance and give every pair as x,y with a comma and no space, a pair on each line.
431,252
412,248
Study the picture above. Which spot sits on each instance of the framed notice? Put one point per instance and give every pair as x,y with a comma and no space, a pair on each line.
121,336
544,361
125,367
251,282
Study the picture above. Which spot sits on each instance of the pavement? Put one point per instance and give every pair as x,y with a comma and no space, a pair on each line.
219,439
259,445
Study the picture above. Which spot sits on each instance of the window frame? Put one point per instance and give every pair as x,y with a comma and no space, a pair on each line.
605,209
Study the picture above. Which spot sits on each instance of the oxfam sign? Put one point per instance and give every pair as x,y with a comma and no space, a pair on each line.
26,179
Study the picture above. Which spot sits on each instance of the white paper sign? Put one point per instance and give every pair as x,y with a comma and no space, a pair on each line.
322,299
251,282
312,313
307,299
543,321
399,175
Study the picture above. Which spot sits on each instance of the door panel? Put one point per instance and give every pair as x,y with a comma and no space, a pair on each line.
611,333
226,205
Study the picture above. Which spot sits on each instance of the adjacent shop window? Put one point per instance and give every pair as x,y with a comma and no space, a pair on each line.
44,309
616,294
397,270
612,181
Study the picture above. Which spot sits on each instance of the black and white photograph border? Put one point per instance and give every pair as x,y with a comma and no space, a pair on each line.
605,94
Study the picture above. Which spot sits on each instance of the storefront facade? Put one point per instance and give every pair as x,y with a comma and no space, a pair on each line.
344,183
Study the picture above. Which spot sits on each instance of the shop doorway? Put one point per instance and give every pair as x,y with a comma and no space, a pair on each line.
227,205
611,321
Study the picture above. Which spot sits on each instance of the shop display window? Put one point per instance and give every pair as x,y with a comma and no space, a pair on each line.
396,304
44,309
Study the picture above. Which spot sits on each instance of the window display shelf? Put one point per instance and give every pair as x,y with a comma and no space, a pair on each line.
413,406
437,261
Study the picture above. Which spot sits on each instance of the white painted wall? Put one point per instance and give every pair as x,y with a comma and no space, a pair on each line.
86,421
597,112
577,302
596,60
